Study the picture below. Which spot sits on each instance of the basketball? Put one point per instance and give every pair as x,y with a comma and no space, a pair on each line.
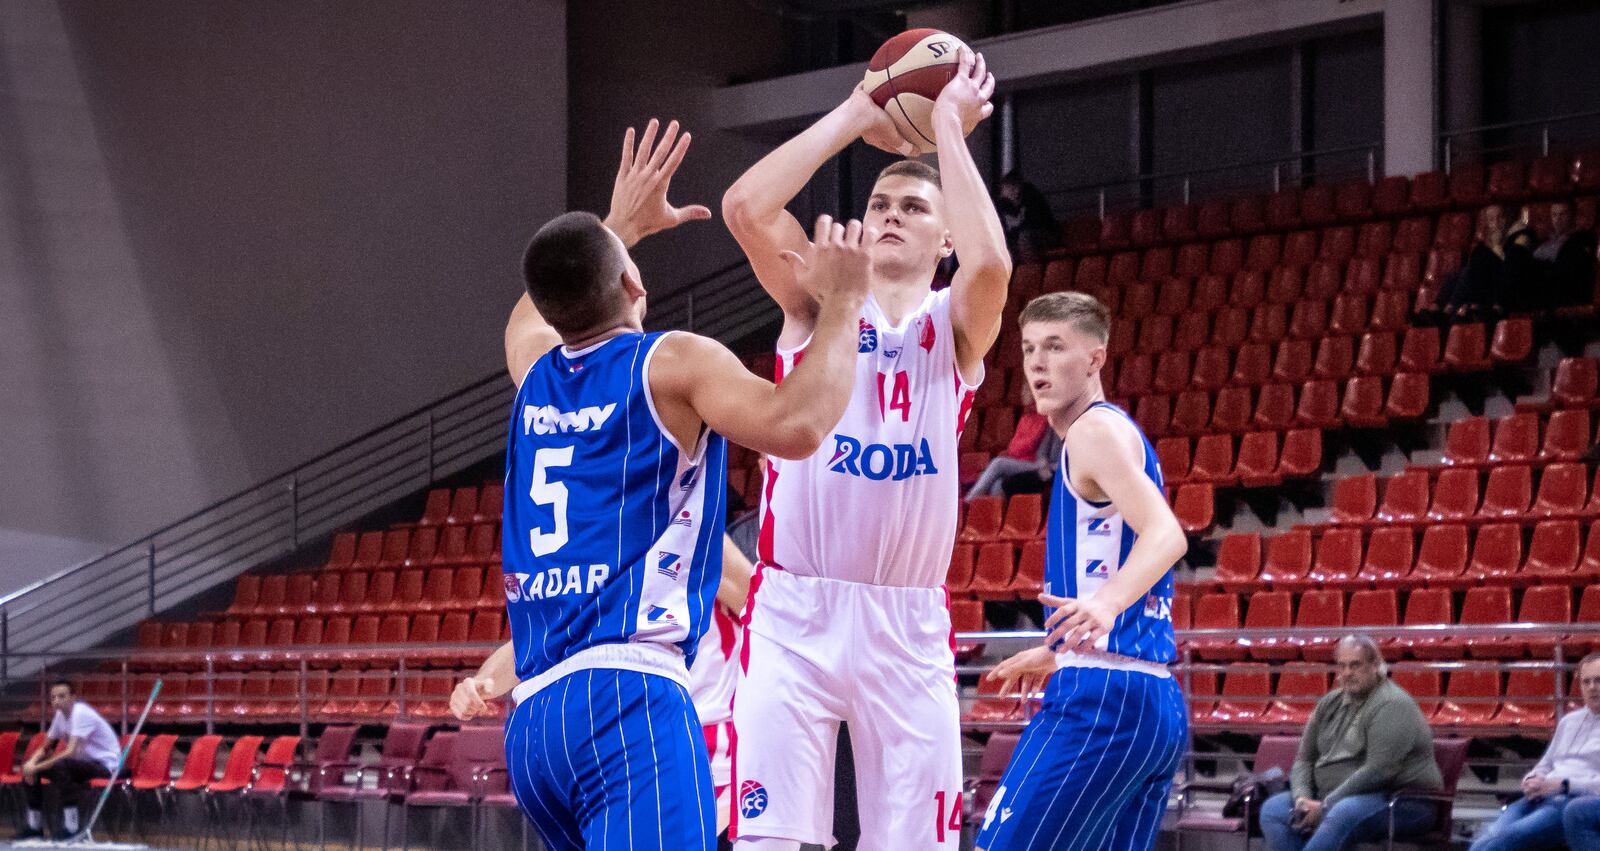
905,77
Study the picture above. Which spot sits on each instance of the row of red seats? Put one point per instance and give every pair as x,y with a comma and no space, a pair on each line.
1257,463
293,640
477,543
1234,327
416,590
1449,556
469,504
1276,408
1473,698
1467,186
1326,608
1417,495
997,570
1467,348
281,696
1207,267
1568,435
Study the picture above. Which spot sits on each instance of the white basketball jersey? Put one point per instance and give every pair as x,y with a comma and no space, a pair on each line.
878,501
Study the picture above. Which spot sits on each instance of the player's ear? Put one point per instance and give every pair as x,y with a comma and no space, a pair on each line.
948,246
1097,359
631,285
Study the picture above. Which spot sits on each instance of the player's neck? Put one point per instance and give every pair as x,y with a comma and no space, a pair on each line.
588,339
1063,419
898,296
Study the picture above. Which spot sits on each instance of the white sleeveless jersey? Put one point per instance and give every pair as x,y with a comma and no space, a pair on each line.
715,674
878,501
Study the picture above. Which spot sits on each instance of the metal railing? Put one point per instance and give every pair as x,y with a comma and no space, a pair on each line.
1262,175
1453,141
85,604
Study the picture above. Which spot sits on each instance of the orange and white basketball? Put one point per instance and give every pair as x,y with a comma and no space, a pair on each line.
905,77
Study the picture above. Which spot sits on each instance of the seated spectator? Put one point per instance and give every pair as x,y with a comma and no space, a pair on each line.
1582,822
1569,767
1478,288
1566,259
91,751
1025,216
1366,740
1029,462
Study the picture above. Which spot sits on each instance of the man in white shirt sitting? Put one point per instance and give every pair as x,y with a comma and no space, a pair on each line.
1570,767
91,751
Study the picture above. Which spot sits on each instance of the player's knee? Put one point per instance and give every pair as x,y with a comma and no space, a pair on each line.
765,843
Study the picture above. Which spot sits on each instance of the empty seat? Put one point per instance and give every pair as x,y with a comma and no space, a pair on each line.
1376,355
1470,700
1217,612
1467,443
1409,397
1508,493
1252,365
1338,558
1293,362
1246,692
1288,560
1334,359
1195,507
1321,609
984,515
1283,209
1275,407
1405,498
1309,320
1022,518
1370,608
1349,315
1270,610
1442,559
1172,372
993,570
1257,464
1428,607
1513,340
1489,606
1389,557
1516,439
1563,488
1423,685
1363,405
1355,499
1530,699
1419,350
1318,406
1545,604
1239,561
1566,436
1466,348
1213,459
1507,181
1496,552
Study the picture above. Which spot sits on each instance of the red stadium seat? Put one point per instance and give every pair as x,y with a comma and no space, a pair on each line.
1172,372
1153,413
1302,453
1374,239
1389,557
1489,606
1275,407
1246,693
1135,376
1550,604
1376,355
1563,488
1318,610
1248,215
1392,196
1334,359
1513,340
1285,286
1210,292
1466,349
1496,553
1178,223
1288,561
1550,175
1507,181
1217,611
1353,200
1309,319
1455,495
1317,205
1566,436
983,520
1252,365
1227,256
1195,507
1516,439
1466,443
1192,260
1371,608
1423,685
1293,362
1470,700
1193,331
1507,494
1363,403
993,571
1023,518
463,506
1467,185
1419,350
1257,464
1530,700
1338,558
1212,367
1124,268
1402,275
1213,460
1231,327
1269,324
1324,279
1428,607
1239,561
1232,410
1264,252
1270,610
1355,499
1405,498
1349,316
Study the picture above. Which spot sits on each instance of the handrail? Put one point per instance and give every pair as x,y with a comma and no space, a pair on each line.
80,605
1372,150
1447,137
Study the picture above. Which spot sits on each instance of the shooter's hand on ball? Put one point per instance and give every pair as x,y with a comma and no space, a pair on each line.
470,699
875,126
639,205
966,96
1025,673
1076,622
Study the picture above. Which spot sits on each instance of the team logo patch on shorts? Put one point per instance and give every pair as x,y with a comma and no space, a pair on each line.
752,799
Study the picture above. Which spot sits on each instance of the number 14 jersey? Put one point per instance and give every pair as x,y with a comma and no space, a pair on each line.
612,533
877,503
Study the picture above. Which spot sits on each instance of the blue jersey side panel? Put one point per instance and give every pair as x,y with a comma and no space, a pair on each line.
1086,543
611,534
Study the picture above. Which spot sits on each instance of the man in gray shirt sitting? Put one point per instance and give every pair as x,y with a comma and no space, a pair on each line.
1366,739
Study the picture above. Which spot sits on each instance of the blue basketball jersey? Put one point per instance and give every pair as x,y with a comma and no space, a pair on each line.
612,533
1087,542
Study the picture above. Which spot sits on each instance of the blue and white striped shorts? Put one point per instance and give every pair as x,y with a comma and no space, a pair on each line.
612,759
1093,769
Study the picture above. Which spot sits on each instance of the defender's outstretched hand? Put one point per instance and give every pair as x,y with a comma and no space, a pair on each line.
837,262
967,94
639,205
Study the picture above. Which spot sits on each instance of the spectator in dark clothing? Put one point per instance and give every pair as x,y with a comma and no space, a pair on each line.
1478,288
1566,260
1028,462
1025,215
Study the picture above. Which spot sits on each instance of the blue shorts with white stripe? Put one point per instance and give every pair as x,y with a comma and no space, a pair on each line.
611,759
1093,770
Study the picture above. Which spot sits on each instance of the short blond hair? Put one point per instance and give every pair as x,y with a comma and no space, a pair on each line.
1084,311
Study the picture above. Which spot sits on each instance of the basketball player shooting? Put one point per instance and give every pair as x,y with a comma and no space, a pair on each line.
613,529
848,620
1094,766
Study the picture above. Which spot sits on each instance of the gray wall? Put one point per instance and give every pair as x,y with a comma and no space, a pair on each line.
233,234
